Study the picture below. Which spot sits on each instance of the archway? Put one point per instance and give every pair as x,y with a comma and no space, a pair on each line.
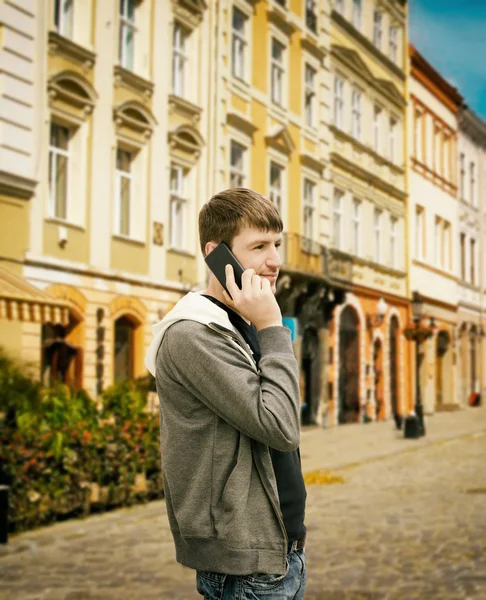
124,351
443,367
378,375
393,348
349,366
312,376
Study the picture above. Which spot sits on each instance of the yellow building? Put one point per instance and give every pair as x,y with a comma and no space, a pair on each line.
370,370
100,230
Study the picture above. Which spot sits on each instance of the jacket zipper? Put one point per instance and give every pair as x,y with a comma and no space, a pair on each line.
268,491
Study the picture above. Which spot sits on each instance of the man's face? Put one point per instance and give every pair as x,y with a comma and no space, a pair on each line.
256,249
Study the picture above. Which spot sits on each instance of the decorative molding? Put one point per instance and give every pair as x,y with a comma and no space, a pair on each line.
135,116
310,44
63,46
280,16
353,61
310,161
72,88
368,45
131,81
185,108
239,121
16,186
70,295
187,139
281,140
128,305
366,176
189,12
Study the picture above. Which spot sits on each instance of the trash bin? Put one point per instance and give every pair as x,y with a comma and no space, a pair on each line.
412,427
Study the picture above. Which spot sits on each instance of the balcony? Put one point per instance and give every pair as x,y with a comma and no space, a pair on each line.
302,255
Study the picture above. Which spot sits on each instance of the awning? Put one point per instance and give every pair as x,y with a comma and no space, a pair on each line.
22,301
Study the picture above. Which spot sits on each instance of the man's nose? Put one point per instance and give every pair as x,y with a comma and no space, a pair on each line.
274,260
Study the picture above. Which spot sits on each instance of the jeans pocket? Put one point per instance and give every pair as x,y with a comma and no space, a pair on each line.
210,585
263,581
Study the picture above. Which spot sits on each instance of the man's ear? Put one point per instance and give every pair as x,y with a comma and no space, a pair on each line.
210,246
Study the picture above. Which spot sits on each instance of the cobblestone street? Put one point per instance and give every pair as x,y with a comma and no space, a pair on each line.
408,522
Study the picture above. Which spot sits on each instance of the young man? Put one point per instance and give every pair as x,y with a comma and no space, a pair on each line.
228,384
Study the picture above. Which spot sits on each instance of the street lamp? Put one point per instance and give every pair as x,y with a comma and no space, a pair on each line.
418,333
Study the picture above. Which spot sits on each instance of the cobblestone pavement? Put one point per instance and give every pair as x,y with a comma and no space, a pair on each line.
408,523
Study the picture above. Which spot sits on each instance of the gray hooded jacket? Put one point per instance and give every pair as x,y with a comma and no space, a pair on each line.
219,416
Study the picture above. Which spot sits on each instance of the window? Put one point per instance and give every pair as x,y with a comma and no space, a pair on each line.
311,15
338,102
446,251
239,43
393,241
356,241
356,114
237,157
377,29
309,208
357,13
463,256
123,349
418,140
337,219
179,60
438,241
462,181
377,129
393,139
63,17
58,171
339,6
277,71
472,182
437,149
276,185
446,158
393,54
309,95
178,206
377,218
419,232
123,191
473,261
127,33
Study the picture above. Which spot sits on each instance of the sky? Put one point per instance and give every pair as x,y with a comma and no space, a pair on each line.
451,35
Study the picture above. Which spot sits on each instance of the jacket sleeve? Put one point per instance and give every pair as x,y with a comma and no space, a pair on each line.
264,406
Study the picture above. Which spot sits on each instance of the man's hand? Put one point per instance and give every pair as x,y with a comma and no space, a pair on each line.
255,301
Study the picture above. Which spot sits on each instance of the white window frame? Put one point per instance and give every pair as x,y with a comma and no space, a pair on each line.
472,183
277,193
438,241
356,227
377,119
356,113
462,175
278,72
378,29
127,26
179,59
447,246
339,6
473,265
337,219
310,74
338,101
393,148
178,208
309,208
119,176
393,241
54,152
357,14
378,234
239,45
237,171
393,43
65,13
419,232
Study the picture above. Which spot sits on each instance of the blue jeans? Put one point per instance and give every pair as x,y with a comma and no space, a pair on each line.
290,586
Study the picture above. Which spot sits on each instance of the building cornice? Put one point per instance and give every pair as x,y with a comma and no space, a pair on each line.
16,186
366,176
473,126
431,79
58,44
368,45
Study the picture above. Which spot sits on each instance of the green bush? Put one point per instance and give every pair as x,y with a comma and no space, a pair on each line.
61,456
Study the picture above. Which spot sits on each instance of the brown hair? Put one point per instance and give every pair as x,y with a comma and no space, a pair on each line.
227,213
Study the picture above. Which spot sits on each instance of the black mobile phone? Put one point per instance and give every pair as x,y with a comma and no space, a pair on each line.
217,261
